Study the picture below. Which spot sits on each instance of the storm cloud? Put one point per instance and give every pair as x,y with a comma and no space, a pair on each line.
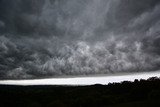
50,38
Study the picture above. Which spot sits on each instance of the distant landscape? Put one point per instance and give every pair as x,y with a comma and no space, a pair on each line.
139,93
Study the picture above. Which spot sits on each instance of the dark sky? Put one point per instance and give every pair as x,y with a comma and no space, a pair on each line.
49,38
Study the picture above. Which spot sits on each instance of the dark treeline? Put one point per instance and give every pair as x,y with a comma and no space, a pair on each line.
140,93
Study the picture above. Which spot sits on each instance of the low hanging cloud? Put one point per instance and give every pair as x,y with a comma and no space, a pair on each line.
50,38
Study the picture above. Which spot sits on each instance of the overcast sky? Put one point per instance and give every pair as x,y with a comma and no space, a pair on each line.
50,38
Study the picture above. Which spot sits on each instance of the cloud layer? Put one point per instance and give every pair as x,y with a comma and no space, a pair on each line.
49,38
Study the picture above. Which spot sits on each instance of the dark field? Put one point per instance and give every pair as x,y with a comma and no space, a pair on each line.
143,93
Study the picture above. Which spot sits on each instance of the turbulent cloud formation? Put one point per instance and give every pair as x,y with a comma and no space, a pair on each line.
50,38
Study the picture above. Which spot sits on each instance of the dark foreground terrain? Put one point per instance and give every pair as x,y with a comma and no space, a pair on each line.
143,93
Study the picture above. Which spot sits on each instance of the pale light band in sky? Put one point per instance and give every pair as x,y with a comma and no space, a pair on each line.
83,80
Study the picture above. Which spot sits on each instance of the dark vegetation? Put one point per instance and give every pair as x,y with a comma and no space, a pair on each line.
140,93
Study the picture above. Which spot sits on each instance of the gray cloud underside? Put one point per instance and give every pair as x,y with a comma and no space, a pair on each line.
41,38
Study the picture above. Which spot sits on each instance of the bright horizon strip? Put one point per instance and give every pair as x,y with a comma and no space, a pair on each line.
104,80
